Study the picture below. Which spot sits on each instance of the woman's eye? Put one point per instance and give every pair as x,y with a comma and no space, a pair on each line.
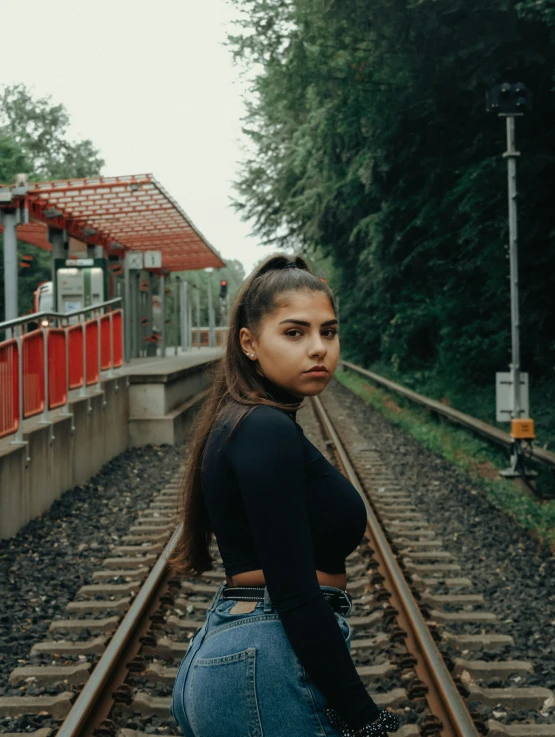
331,332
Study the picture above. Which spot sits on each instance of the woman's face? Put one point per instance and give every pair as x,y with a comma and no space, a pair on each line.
300,333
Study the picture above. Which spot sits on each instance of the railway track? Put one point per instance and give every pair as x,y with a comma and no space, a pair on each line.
479,427
420,638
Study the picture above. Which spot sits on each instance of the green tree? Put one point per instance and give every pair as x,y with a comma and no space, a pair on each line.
40,129
33,140
371,143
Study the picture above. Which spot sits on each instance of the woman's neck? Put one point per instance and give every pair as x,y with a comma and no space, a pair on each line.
279,394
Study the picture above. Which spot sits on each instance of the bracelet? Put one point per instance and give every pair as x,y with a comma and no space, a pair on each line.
386,722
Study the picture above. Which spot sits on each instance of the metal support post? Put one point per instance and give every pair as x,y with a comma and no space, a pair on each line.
56,236
66,405
511,155
151,347
136,328
176,292
44,415
198,310
83,389
516,467
11,310
163,316
211,336
127,311
18,436
99,367
184,305
190,324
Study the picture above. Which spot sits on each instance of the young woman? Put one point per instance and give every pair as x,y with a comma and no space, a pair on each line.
273,655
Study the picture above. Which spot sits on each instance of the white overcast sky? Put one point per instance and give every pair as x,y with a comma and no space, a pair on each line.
154,88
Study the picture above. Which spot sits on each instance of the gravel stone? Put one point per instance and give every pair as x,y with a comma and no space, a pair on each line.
47,562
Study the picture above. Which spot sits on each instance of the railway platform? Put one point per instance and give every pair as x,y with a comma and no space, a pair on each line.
147,401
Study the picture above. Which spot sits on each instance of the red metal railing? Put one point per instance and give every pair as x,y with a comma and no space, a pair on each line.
105,342
57,369
92,370
33,373
117,338
9,387
75,350
37,369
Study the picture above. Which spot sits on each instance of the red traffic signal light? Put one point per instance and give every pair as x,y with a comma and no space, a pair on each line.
223,289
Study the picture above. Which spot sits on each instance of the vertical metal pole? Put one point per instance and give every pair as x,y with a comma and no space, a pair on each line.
127,311
211,341
184,316
190,324
132,313
198,310
44,416
176,292
56,238
18,333
511,155
137,313
99,341
66,335
163,312
83,391
11,309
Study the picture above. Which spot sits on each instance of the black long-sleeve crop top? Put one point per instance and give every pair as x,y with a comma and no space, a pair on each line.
275,503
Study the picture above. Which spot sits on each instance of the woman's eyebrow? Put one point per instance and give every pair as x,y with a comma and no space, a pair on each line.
307,324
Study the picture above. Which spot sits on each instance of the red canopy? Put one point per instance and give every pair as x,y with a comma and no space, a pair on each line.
131,213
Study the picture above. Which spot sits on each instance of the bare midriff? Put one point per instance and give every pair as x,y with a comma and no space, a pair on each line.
256,578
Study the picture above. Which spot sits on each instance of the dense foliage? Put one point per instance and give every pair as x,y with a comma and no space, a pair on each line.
371,145
34,141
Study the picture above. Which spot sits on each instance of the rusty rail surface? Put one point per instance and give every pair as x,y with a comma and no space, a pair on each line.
442,697
96,699
471,423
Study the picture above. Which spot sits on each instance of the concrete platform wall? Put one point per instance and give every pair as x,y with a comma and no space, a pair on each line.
152,402
162,406
65,460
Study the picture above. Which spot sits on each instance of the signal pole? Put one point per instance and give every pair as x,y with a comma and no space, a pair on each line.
511,101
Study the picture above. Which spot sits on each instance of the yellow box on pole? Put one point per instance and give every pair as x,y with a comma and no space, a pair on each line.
523,429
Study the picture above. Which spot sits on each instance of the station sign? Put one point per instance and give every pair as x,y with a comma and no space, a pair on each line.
153,259
134,259
79,261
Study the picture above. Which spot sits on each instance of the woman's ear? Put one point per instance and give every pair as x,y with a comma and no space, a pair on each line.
246,338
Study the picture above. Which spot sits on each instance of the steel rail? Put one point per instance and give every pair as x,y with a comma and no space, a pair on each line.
443,697
81,718
37,316
471,423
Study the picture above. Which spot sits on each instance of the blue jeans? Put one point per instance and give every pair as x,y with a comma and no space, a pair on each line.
241,678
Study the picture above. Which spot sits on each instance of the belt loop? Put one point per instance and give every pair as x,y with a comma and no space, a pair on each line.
216,599
268,606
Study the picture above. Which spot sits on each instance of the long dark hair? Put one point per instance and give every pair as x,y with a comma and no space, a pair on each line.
236,388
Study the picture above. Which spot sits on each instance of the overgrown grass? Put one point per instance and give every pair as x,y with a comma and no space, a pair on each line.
480,460
478,401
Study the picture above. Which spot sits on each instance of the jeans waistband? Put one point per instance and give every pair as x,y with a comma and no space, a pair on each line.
339,600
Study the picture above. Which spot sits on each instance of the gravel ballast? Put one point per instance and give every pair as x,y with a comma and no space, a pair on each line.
47,562
515,575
